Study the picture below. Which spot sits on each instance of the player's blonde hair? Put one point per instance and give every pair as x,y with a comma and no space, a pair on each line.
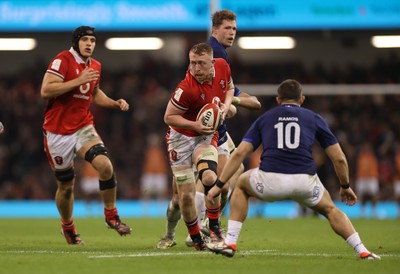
201,49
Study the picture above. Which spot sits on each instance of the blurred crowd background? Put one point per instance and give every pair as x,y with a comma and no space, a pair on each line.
136,138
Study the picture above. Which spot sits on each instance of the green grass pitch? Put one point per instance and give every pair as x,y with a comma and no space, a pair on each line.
303,245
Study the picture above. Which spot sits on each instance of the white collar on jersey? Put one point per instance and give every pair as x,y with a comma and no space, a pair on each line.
213,75
78,58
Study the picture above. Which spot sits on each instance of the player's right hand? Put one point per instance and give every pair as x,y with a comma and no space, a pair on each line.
88,75
202,129
212,193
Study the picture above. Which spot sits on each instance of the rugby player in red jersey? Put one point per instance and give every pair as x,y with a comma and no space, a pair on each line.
70,84
191,143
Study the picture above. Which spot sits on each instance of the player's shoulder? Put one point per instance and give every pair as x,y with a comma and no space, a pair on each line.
95,62
186,88
221,62
65,54
221,65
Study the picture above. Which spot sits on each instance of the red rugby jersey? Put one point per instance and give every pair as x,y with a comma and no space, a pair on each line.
69,112
191,96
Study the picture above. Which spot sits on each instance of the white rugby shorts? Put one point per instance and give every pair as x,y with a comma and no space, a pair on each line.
61,149
305,189
181,147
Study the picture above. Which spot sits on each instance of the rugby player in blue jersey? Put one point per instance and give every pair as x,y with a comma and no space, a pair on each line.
287,169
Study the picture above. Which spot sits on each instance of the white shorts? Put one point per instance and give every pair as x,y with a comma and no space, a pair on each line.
154,185
61,149
181,147
367,186
227,147
305,189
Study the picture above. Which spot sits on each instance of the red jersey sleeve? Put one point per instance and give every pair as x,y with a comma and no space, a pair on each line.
182,97
59,66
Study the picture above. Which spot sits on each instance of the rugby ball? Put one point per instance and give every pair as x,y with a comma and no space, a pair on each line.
210,115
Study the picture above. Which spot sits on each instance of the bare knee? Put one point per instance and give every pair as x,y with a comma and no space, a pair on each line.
104,167
66,189
209,177
187,199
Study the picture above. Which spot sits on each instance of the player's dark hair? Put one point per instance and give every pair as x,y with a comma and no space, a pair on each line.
201,49
290,90
78,33
221,15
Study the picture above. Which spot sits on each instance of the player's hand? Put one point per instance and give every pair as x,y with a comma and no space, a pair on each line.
88,75
123,105
224,111
348,196
1,128
214,192
202,129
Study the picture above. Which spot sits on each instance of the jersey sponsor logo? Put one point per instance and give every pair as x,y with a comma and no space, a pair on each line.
81,96
56,64
178,94
216,100
84,88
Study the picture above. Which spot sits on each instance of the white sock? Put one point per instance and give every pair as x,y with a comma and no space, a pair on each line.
234,228
200,206
173,217
355,242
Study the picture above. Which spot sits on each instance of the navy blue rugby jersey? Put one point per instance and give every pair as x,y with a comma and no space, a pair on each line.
220,52
287,133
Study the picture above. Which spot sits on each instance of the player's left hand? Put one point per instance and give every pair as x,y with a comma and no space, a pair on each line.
214,192
224,111
123,105
348,196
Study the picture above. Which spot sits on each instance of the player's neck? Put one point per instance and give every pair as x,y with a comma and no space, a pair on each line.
290,102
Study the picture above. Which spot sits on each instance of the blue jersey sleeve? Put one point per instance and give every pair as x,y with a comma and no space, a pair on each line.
323,134
253,135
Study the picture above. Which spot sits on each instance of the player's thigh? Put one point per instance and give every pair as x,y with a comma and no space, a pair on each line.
325,204
222,160
60,150
244,184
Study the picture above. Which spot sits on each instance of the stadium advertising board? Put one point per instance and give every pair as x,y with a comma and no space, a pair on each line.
193,15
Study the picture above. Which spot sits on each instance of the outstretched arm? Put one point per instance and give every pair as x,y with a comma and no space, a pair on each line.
101,99
336,155
247,101
233,164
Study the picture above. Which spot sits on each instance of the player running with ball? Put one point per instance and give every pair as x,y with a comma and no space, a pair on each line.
190,143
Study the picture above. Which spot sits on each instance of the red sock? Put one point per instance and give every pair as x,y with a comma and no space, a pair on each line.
193,227
213,213
69,224
110,213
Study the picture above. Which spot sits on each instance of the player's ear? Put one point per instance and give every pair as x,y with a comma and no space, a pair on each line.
278,100
302,99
